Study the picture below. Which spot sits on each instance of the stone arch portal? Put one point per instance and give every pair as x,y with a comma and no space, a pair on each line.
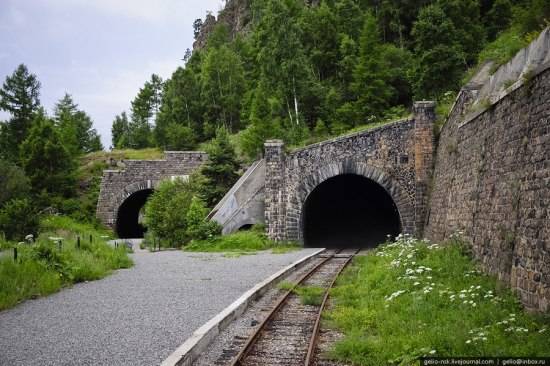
129,204
349,204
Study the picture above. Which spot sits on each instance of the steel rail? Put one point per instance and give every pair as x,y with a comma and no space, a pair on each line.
252,339
315,335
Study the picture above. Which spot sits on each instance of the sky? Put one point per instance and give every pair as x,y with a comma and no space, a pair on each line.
99,51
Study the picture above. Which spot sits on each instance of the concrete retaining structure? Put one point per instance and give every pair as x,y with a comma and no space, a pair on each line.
244,204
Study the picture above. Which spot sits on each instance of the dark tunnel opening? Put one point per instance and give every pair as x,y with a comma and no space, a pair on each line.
349,211
128,223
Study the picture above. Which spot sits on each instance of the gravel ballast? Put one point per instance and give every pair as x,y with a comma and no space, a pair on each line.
136,316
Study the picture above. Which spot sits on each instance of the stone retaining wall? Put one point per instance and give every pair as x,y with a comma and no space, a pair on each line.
492,182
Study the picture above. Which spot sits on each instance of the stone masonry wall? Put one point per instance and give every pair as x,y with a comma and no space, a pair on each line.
492,181
117,185
397,156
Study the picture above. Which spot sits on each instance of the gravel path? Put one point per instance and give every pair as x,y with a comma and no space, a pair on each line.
134,317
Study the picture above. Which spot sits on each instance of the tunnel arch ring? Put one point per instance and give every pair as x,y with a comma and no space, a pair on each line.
403,202
128,191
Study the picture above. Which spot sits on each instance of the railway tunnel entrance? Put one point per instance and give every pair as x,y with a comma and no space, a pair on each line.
129,217
349,211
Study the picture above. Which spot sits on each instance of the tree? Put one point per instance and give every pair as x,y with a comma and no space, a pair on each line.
75,127
396,18
166,211
120,131
18,218
369,77
179,137
283,64
13,182
265,122
220,172
437,53
321,39
498,18
198,227
47,162
350,18
197,25
222,87
19,96
469,34
181,105
145,107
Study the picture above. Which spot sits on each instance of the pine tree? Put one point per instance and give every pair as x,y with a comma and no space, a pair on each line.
181,105
46,161
75,127
120,131
437,52
283,64
220,172
145,107
369,76
222,87
13,182
265,121
498,18
19,96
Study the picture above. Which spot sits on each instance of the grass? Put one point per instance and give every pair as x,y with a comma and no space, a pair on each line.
242,242
502,49
361,128
309,295
43,268
286,285
443,109
124,154
412,299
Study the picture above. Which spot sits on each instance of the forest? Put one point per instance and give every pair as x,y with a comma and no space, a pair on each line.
304,71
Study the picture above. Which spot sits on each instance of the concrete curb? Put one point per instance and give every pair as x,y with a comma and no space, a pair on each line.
188,352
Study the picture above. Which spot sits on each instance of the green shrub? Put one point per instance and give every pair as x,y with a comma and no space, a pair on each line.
51,257
166,210
18,219
13,182
198,227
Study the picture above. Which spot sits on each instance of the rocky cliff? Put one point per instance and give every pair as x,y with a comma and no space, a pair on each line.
236,15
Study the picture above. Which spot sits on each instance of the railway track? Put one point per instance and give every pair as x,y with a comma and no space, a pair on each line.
288,334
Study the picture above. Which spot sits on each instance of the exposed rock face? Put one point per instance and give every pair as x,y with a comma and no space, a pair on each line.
236,15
